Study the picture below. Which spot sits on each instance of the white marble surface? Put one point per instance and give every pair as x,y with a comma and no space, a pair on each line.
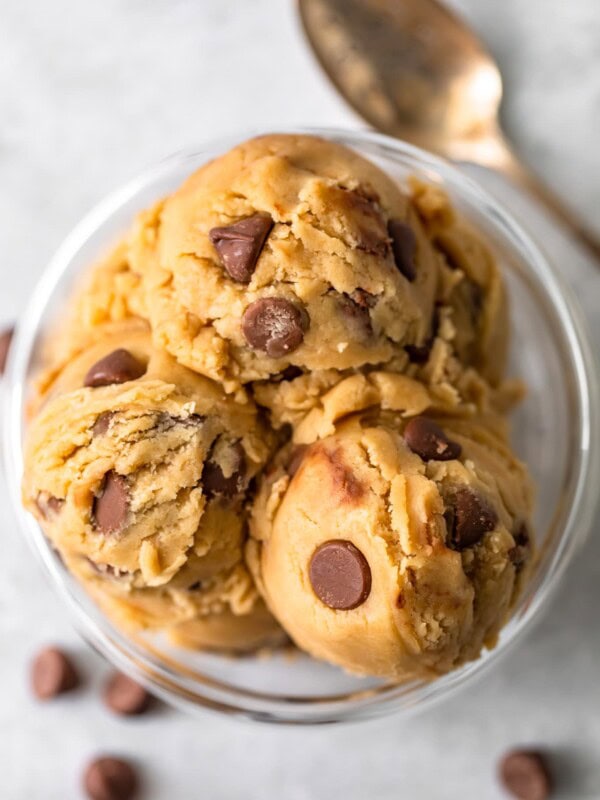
90,93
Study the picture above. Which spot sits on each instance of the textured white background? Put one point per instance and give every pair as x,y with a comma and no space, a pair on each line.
92,92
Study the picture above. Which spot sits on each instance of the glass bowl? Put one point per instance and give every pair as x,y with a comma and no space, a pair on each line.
553,430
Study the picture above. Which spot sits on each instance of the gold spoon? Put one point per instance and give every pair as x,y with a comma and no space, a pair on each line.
414,70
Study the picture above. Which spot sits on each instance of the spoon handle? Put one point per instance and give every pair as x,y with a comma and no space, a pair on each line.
514,169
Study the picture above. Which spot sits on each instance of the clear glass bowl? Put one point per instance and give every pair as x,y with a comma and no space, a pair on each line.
553,432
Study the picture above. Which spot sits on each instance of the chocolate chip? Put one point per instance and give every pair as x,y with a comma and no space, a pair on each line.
239,245
53,673
195,586
124,696
296,458
404,247
425,438
525,774
469,519
102,423
111,507
110,778
400,601
274,325
224,471
119,366
340,575
5,341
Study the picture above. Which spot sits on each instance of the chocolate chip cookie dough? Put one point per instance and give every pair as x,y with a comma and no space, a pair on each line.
288,252
139,468
396,545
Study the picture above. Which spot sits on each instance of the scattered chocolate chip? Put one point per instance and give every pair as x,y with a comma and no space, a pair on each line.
110,778
274,325
400,601
119,366
111,507
124,696
239,245
102,423
195,586
296,458
425,438
340,575
404,247
469,519
357,314
224,458
519,554
53,673
525,774
5,341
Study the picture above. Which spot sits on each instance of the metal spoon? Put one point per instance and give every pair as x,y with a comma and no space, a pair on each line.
414,70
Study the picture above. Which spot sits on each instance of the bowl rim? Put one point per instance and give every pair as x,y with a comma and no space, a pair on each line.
388,698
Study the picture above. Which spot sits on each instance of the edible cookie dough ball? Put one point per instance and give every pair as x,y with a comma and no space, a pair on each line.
142,466
222,612
288,251
394,547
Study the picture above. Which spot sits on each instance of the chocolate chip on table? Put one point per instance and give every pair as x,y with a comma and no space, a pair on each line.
214,479
124,696
340,575
525,774
111,507
53,673
425,438
468,518
274,325
404,247
102,424
5,339
110,778
239,245
119,366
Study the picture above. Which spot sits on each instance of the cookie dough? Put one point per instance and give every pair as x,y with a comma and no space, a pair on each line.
109,294
142,466
288,252
396,545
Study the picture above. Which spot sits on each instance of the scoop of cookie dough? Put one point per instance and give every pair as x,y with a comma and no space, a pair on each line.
142,466
288,252
396,545
223,612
